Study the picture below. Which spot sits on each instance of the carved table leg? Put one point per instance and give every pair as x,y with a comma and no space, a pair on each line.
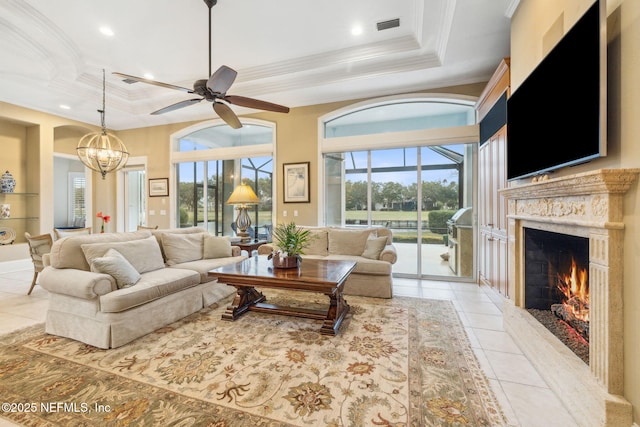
245,298
338,309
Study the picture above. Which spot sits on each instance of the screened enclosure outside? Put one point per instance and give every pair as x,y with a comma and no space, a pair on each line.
413,189
202,202
380,188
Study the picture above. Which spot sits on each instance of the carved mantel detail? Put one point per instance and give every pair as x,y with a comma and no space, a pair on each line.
590,199
588,204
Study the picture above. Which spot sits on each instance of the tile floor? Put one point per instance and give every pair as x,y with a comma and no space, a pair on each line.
525,398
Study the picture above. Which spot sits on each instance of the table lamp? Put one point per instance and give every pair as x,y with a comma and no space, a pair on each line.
242,197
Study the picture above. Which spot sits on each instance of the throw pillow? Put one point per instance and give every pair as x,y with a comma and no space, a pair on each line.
347,242
216,247
143,254
318,243
66,232
374,247
179,248
116,265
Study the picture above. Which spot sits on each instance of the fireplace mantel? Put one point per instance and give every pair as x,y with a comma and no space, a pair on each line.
590,199
590,205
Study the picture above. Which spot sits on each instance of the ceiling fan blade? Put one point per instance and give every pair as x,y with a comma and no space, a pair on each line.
177,105
221,80
227,114
243,101
153,82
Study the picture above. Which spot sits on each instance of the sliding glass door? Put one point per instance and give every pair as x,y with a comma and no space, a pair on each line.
414,192
407,163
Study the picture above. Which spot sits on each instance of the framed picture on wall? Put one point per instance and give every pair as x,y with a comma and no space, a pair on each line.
296,182
159,187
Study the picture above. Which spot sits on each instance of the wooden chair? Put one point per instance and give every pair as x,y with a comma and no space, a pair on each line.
38,246
144,227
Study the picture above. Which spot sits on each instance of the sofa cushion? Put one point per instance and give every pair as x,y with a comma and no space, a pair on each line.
117,266
67,252
186,230
216,247
203,266
374,246
318,243
143,254
152,286
67,232
179,248
383,231
364,265
347,242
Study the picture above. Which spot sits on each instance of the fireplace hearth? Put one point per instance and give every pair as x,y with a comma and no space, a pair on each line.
588,207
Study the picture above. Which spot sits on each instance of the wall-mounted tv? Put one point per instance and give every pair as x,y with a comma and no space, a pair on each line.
557,116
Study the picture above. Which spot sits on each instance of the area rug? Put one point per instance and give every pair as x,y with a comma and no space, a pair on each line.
398,362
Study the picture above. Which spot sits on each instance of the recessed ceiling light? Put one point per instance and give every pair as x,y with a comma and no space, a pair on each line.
148,76
64,107
356,30
106,31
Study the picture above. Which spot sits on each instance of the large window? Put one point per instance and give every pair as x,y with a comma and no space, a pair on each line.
210,162
412,170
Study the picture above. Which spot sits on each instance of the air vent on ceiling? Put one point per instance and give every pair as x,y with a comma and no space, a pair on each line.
129,81
385,25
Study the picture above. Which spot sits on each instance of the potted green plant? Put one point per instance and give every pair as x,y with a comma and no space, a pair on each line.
291,242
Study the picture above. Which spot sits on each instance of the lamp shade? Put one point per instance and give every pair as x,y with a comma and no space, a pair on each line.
243,195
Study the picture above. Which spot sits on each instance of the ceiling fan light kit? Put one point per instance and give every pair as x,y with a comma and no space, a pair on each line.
214,89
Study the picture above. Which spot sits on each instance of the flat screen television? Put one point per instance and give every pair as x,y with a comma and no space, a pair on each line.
557,116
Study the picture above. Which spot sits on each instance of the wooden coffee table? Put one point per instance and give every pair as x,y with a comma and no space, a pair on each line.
313,275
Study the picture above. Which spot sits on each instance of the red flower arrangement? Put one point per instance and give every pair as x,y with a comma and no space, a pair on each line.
104,218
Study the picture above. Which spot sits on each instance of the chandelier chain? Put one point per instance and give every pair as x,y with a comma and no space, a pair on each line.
102,112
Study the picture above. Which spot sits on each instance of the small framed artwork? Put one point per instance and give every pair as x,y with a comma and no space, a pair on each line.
296,182
159,187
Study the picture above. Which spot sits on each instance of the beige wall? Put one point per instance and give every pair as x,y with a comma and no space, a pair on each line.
297,141
27,144
533,25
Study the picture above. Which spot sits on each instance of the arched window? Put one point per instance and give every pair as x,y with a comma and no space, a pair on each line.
407,163
400,116
210,160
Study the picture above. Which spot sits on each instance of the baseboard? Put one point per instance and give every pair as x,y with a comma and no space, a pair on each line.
16,265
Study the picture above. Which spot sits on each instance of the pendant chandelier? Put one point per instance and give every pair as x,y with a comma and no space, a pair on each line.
101,151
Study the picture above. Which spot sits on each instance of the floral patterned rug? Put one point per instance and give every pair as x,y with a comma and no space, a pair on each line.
398,362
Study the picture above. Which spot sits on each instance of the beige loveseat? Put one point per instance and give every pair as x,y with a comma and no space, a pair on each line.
109,289
371,248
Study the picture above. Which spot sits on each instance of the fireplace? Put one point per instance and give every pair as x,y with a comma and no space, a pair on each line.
582,207
556,286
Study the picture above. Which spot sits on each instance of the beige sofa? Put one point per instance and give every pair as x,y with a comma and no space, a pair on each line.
371,248
109,289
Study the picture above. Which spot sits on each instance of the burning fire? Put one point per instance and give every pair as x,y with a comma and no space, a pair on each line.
575,287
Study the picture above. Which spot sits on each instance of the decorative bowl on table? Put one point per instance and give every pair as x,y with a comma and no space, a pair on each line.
7,236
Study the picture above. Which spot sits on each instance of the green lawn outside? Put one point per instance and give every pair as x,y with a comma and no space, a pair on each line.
408,236
399,235
387,215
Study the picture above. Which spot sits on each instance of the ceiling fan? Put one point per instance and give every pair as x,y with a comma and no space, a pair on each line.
214,89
